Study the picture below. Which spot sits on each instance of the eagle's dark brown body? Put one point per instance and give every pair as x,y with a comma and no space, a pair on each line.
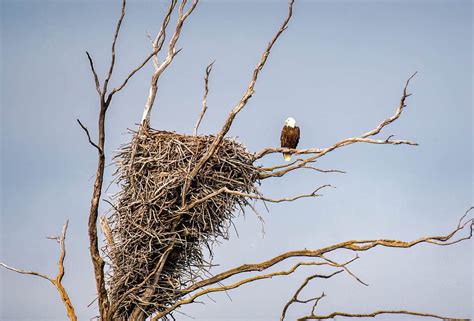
290,136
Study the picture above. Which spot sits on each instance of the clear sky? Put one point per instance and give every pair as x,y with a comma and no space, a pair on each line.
339,70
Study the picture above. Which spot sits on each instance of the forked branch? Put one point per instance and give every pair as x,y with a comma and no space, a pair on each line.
171,53
57,281
240,105
207,286
255,196
317,152
204,98
314,316
374,314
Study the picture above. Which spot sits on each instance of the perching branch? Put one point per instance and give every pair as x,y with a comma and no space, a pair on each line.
204,99
57,281
364,138
240,105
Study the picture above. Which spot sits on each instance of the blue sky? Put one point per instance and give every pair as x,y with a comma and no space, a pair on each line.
339,70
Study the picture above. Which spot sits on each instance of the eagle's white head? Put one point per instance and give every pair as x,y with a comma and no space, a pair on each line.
290,122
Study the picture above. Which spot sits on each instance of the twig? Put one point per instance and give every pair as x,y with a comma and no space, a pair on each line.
172,52
240,105
254,196
26,272
94,73
222,288
295,299
354,245
114,41
58,279
364,138
346,269
89,137
374,314
204,99
156,50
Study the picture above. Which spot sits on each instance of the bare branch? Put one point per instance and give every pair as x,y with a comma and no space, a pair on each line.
157,45
344,266
172,52
364,138
26,272
345,142
354,245
397,114
222,288
315,304
374,314
241,104
56,281
254,196
295,299
89,137
94,73
264,170
204,99
62,253
114,41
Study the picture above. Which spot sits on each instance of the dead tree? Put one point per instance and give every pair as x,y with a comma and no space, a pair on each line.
207,175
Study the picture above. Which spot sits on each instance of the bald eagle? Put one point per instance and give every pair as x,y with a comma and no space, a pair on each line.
290,136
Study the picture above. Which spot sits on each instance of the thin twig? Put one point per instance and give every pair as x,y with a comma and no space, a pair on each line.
374,314
354,245
89,137
171,53
94,73
240,105
114,41
57,281
204,99
295,299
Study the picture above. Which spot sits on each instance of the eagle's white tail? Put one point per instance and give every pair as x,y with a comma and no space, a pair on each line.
287,156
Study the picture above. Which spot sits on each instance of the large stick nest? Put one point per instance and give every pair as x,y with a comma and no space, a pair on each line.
159,245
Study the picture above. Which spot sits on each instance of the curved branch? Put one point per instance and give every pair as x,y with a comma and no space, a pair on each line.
94,74
13,269
57,282
240,105
204,98
374,314
354,245
222,288
255,196
172,52
364,138
156,49
89,137
114,41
